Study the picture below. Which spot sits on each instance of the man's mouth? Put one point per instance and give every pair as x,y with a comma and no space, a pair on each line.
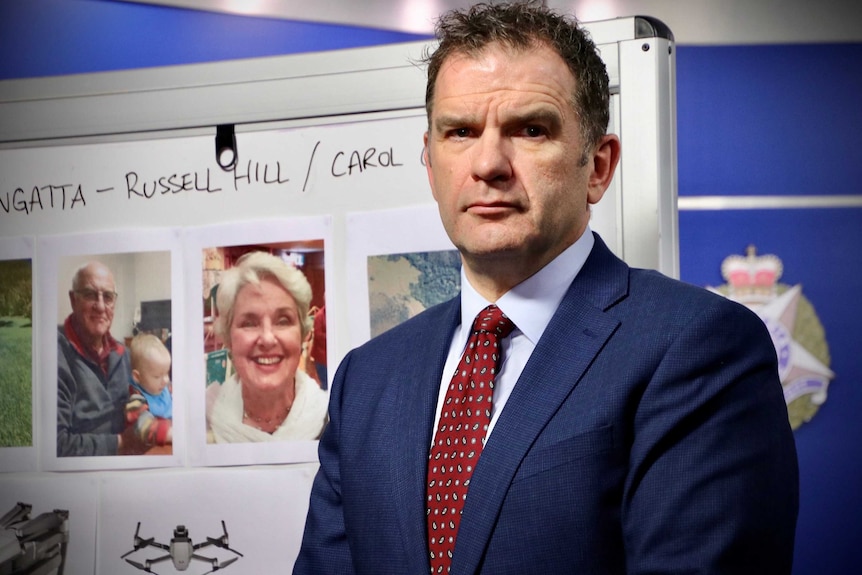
491,207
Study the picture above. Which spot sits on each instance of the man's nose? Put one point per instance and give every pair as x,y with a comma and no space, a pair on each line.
491,157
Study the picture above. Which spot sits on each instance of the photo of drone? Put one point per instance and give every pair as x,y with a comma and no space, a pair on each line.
33,545
181,550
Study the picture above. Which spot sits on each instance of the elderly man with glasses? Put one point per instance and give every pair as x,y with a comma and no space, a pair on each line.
93,371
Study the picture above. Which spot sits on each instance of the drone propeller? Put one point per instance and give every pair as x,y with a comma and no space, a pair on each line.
222,542
226,563
139,543
216,565
140,566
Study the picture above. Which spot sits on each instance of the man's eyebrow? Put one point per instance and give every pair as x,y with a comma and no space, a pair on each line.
542,115
545,116
446,121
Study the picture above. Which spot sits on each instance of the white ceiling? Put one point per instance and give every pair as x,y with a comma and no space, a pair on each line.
692,21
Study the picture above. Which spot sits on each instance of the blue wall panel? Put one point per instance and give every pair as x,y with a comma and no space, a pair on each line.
770,120
820,250
53,37
787,121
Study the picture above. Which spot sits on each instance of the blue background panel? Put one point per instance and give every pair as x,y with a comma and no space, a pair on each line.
820,250
769,120
53,37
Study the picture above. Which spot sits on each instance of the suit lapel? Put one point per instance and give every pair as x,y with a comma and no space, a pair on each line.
577,332
417,401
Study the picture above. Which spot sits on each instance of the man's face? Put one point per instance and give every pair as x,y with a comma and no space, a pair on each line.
504,152
93,312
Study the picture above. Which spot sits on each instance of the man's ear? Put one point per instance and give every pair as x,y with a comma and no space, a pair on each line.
603,162
426,156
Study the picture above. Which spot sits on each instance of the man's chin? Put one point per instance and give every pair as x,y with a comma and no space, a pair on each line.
491,251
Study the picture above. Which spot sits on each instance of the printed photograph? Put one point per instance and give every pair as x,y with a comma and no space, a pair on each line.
48,523
403,285
249,522
265,341
16,353
399,262
114,357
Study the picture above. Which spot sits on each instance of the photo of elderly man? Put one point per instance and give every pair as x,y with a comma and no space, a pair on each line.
93,363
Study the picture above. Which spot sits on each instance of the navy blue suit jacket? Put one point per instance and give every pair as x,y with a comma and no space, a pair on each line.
646,434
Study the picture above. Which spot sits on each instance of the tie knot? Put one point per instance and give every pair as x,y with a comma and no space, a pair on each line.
493,320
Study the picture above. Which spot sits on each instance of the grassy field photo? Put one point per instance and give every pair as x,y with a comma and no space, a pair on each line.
16,352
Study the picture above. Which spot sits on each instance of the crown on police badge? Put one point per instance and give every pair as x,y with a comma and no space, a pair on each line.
752,278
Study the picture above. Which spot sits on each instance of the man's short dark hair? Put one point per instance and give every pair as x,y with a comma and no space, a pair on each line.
522,26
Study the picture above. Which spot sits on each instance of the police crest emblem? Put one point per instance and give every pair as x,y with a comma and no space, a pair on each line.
798,335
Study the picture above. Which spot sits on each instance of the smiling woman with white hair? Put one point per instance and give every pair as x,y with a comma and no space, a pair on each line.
263,320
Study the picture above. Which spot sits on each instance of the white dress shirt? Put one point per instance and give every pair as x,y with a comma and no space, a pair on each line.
530,305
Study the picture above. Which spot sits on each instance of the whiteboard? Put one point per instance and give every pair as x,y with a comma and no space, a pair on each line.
325,133
329,147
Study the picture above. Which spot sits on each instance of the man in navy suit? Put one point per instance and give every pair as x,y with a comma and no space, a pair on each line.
638,424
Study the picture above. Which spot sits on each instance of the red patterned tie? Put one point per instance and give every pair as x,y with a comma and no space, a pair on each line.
461,433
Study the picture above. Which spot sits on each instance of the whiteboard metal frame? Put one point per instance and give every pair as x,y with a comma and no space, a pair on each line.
179,100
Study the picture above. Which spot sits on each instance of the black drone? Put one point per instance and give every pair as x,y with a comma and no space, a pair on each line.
181,550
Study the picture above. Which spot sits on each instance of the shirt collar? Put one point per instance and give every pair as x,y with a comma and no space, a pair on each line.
532,303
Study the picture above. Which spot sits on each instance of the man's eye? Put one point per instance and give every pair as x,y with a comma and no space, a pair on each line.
534,131
461,132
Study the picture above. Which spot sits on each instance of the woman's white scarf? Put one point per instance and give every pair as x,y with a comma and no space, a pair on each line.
305,420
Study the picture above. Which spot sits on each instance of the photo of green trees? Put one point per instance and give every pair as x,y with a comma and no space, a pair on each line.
16,352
